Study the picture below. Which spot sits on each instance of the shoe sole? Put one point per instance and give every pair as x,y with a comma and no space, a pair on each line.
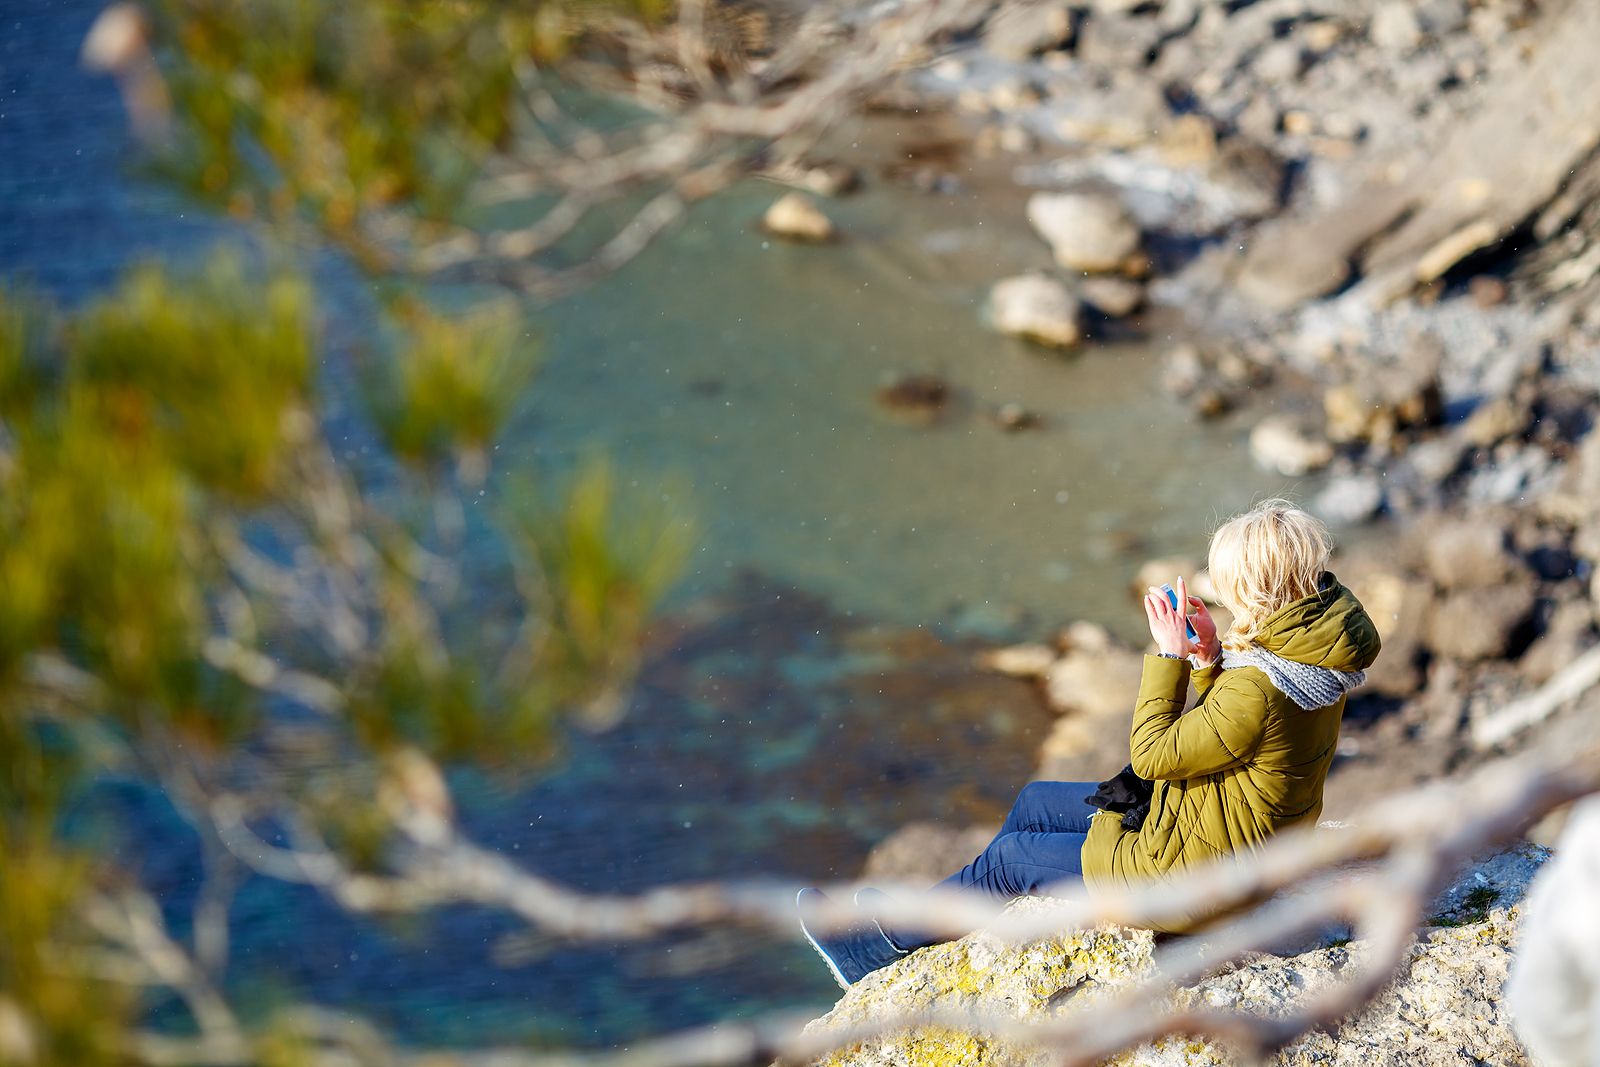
833,968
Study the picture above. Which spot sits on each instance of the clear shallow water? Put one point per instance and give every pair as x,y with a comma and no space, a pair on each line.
808,689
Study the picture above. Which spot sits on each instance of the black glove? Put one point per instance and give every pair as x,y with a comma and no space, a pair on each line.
1126,793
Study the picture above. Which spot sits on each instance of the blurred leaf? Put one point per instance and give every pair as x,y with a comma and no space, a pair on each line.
602,557
214,362
451,383
52,1014
299,108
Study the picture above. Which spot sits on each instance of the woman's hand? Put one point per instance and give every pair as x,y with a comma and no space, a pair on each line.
1169,626
1207,649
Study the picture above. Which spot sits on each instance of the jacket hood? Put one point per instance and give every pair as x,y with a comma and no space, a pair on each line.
1329,629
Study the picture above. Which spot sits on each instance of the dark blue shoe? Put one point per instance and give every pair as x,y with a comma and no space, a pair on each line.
851,954
871,902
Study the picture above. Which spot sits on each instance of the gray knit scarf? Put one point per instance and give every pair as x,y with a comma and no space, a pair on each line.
1310,687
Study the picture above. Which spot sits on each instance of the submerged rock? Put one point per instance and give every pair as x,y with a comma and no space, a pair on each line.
919,397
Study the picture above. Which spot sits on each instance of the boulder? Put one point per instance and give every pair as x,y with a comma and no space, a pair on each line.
1112,296
1464,553
1350,499
1036,308
1444,1007
1083,748
1018,31
1379,406
1125,113
1481,623
1095,683
924,852
1569,634
796,217
1279,443
1090,232
1399,607
1395,26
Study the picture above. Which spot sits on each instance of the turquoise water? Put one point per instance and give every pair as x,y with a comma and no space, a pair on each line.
752,364
809,687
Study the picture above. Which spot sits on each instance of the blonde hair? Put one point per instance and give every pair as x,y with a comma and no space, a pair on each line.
1270,556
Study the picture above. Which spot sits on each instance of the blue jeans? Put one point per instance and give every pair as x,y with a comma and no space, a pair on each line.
1037,850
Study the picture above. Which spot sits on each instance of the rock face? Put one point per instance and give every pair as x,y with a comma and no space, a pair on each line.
1443,1008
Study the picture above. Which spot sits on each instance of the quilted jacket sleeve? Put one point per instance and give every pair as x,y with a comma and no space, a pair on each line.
1222,731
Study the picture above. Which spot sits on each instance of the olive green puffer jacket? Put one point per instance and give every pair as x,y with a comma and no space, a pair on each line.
1245,762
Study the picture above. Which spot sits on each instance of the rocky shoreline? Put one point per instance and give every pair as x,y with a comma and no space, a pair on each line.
1391,274
1443,1008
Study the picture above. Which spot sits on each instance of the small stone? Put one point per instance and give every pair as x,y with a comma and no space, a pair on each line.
1494,421
923,397
1112,296
1091,232
1319,37
1185,370
1299,123
1211,403
797,218
1279,443
1395,27
1350,499
1487,291
1437,459
1018,661
1118,43
1014,417
1016,140
1019,31
1280,62
1009,96
1036,308
1440,18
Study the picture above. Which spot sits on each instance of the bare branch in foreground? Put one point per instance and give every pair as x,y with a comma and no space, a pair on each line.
1414,843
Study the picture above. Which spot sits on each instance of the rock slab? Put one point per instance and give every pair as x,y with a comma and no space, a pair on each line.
1444,1007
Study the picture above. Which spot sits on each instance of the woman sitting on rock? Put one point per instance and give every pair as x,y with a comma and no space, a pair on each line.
1247,761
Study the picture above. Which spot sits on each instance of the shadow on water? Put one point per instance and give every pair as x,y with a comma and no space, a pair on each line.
768,739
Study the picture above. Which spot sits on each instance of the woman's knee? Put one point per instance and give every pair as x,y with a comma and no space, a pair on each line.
1031,797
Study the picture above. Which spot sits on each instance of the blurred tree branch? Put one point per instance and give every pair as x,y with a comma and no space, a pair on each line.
412,141
198,590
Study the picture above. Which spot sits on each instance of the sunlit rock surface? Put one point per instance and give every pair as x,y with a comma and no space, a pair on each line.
1445,1006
